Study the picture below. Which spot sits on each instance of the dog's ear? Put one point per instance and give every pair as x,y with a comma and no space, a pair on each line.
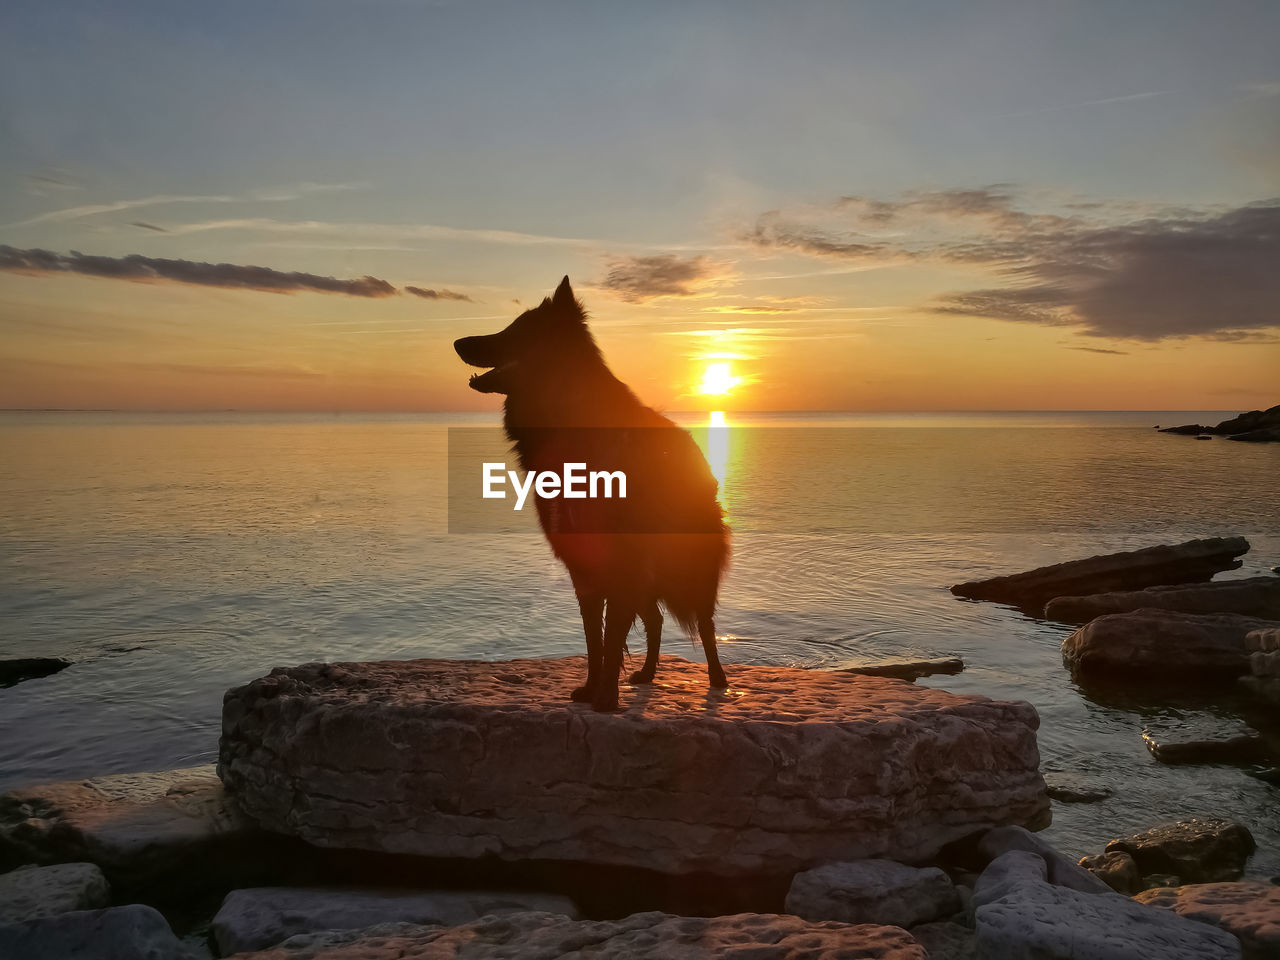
564,295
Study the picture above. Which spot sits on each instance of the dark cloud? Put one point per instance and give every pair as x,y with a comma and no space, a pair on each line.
137,267
1122,353
1114,272
428,294
142,224
636,279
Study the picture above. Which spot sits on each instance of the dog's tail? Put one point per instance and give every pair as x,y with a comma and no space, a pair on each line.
694,565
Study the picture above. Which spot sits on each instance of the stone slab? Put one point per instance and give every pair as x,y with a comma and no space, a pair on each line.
787,769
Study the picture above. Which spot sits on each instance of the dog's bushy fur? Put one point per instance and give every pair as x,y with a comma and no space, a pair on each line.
665,545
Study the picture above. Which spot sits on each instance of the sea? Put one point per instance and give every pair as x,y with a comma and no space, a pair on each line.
173,556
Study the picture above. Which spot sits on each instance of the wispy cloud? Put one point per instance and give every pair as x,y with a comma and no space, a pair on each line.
384,231
1124,98
143,225
265,195
636,279
1122,353
429,294
139,268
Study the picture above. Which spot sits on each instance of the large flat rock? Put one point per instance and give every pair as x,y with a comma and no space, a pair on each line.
1194,561
1251,597
787,769
641,936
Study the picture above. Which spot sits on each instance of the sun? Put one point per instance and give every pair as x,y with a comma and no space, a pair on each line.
717,379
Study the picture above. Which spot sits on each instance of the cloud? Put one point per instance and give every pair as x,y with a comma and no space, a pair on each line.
428,294
142,224
1111,270
1122,353
636,279
263,195
236,276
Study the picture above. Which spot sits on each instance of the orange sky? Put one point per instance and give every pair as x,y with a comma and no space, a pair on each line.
1004,208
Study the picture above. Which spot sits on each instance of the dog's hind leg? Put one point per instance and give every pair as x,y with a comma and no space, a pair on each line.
592,608
651,616
707,634
620,613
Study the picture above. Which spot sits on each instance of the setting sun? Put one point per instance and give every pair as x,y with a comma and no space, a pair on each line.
717,379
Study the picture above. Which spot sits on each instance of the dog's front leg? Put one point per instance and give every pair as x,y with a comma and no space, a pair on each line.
591,607
620,613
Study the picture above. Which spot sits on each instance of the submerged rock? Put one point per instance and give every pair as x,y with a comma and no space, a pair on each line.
1194,561
873,891
1200,850
134,932
31,892
1249,911
1252,597
262,917
1070,788
641,936
1247,746
1162,643
785,770
911,669
29,668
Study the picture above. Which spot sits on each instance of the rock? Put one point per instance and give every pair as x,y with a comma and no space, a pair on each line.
140,829
31,892
641,936
911,669
1249,911
29,668
787,769
1200,850
1007,872
1247,746
1063,871
1039,920
135,932
1192,562
947,941
1117,870
1069,788
254,919
1264,664
1187,429
872,891
1252,597
1162,643
1246,422
1261,435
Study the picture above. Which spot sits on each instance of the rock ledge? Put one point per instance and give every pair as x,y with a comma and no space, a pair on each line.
787,769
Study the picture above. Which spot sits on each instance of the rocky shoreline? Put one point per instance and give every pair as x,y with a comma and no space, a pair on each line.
442,809
1256,426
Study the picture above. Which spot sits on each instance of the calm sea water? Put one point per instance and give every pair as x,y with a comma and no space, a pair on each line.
172,557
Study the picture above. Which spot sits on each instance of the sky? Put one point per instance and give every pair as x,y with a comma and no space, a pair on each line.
856,206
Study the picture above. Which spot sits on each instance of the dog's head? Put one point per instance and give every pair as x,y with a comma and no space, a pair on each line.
536,345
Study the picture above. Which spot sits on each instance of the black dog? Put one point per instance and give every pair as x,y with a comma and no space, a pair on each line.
665,543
